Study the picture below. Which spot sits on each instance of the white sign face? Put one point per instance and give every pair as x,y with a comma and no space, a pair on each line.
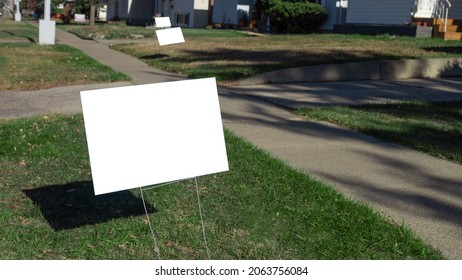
243,8
162,22
79,17
170,36
150,134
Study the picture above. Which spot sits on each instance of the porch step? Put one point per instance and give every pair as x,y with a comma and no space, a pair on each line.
453,29
452,35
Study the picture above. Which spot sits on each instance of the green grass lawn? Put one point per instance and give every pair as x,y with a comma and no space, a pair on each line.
229,55
13,31
431,127
25,65
260,209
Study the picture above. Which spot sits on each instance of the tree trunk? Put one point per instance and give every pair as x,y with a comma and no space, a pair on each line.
92,13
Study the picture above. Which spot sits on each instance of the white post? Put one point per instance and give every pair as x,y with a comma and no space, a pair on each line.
47,15
17,15
47,27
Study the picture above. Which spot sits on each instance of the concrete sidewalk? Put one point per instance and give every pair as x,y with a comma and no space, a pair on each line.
140,72
406,186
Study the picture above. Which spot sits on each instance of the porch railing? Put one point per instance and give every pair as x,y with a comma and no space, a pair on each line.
441,12
438,9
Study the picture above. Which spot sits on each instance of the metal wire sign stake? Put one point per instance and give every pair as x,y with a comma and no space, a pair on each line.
156,247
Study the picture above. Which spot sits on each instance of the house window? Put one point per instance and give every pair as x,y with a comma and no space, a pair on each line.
182,19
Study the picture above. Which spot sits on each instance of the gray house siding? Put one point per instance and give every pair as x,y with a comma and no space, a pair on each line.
225,11
177,8
201,13
187,13
456,9
379,11
335,15
141,12
196,12
133,11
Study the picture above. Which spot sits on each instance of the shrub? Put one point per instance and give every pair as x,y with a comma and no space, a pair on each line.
294,16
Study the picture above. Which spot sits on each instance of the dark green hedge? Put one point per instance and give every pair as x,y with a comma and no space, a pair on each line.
294,16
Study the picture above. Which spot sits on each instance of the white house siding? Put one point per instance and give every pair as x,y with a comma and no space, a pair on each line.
201,4
379,11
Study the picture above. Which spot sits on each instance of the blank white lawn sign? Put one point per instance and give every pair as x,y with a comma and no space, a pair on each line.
163,22
79,17
170,36
150,134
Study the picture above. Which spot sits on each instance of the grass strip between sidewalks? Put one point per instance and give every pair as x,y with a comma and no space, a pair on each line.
260,209
431,127
25,65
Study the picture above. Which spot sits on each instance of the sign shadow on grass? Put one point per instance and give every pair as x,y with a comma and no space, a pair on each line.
73,205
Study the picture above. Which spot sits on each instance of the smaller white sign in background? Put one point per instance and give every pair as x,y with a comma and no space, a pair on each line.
150,134
79,17
170,36
163,22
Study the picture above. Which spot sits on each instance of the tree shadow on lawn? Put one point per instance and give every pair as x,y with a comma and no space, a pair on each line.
237,63
281,57
31,40
73,205
154,56
448,50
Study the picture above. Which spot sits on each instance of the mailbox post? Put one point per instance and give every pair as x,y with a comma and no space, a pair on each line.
47,27
17,15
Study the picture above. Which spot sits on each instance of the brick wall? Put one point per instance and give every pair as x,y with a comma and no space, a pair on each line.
374,29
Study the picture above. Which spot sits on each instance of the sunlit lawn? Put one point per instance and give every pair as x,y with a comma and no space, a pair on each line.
260,209
25,65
